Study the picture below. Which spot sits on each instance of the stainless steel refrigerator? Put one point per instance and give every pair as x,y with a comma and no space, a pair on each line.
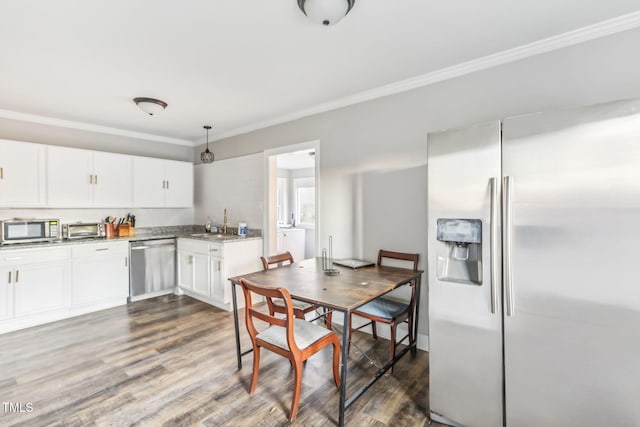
534,270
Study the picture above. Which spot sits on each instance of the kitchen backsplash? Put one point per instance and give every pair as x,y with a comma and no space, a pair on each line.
144,217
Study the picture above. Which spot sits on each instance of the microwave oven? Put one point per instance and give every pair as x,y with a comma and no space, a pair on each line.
29,230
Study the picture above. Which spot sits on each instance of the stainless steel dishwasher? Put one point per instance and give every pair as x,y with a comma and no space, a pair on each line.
153,268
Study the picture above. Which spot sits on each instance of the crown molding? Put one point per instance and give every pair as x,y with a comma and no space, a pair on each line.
571,38
69,124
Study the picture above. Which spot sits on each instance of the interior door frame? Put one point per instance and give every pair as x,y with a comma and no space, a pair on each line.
270,229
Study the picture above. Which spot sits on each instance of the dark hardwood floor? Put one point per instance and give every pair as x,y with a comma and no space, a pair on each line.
171,361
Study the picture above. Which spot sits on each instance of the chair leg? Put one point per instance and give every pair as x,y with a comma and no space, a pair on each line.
373,330
256,369
327,319
297,386
336,362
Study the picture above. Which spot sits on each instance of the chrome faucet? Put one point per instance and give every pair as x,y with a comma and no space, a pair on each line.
224,227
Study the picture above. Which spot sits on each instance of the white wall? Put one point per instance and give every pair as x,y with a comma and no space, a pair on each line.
235,184
371,150
45,134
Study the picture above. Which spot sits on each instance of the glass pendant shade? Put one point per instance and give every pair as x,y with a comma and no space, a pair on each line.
325,12
207,156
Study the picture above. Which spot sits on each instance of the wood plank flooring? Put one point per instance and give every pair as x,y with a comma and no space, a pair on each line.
170,361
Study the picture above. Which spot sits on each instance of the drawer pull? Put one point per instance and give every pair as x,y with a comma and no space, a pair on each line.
214,250
9,276
102,249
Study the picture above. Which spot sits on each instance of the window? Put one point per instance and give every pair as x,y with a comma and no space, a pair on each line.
305,201
306,208
282,196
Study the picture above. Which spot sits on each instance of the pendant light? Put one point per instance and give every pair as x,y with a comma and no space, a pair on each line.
207,156
325,12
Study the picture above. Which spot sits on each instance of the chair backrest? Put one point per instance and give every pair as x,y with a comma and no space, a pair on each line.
411,258
252,313
278,260
399,256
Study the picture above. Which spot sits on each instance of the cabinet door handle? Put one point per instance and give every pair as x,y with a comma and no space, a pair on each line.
126,261
214,250
96,179
164,185
1,173
190,261
17,276
9,276
90,179
219,266
167,184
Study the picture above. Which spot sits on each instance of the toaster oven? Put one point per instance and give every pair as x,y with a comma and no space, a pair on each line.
83,230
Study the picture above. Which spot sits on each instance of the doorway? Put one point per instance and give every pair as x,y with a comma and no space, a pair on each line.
292,200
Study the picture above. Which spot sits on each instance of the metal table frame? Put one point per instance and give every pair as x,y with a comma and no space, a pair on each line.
343,401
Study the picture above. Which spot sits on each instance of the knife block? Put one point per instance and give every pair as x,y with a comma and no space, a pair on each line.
123,230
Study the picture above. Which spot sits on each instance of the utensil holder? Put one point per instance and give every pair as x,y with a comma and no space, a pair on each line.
109,231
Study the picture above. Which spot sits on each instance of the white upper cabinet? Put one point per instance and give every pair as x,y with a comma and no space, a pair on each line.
159,183
37,175
84,178
179,186
21,174
112,180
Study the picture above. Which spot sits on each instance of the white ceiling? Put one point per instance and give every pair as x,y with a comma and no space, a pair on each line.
296,160
240,65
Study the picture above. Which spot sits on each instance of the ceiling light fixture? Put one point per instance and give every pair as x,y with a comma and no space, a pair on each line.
207,156
150,106
326,12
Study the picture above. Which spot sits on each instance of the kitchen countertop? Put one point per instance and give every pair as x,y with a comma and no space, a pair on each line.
153,234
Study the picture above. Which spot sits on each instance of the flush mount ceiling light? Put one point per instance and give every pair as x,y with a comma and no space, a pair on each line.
150,106
207,156
325,12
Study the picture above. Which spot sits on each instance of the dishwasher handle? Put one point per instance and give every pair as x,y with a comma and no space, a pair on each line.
139,248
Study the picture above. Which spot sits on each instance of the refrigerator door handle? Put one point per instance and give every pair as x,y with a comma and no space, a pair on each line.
494,243
506,246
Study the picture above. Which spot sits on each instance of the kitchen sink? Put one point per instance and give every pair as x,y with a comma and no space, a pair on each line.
208,235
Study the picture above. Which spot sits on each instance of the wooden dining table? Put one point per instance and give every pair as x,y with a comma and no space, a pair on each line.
344,292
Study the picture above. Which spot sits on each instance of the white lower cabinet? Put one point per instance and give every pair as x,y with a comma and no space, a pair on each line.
6,293
100,274
204,267
193,268
41,285
292,240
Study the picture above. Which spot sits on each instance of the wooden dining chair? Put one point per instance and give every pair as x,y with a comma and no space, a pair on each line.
388,310
300,308
290,337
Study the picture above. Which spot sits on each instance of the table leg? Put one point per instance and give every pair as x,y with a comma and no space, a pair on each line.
416,316
235,324
344,358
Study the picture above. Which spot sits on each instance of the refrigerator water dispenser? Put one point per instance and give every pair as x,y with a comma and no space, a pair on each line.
459,250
